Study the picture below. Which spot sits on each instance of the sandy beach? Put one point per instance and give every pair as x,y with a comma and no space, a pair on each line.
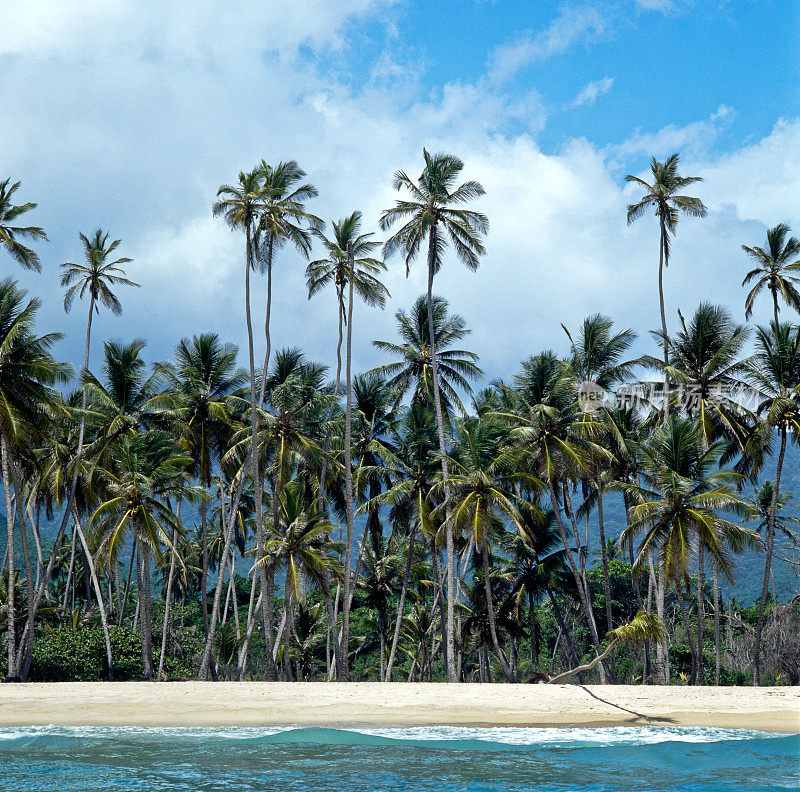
400,704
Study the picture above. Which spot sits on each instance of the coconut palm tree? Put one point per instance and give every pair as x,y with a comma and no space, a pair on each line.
11,234
28,401
241,206
149,470
662,197
412,370
775,267
684,494
205,376
302,549
774,372
281,220
335,270
432,213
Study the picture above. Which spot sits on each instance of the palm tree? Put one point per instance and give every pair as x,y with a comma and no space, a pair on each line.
412,370
281,216
481,498
302,549
706,361
661,196
774,270
28,401
241,206
775,373
149,471
355,248
335,270
596,358
205,377
432,213
10,234
685,493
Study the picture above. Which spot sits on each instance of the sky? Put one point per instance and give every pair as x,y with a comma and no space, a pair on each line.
128,115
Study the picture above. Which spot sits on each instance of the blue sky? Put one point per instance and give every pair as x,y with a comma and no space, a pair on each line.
129,114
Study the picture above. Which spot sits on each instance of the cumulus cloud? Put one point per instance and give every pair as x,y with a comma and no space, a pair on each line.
134,117
592,91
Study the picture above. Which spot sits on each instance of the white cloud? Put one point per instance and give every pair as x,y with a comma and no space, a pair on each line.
592,91
570,26
135,132
655,5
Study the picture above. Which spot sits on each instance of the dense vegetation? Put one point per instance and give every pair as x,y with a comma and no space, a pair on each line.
294,521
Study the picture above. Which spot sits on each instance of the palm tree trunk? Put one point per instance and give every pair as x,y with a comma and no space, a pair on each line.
688,627
701,612
775,308
661,262
168,603
336,384
11,632
252,608
204,561
487,589
586,666
98,593
717,643
344,650
70,569
70,499
449,648
533,627
401,604
762,603
579,579
662,656
147,614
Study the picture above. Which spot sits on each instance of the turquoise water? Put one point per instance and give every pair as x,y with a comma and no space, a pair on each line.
443,759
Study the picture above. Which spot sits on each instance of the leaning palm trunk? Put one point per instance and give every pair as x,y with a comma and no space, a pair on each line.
487,588
449,647
401,605
27,636
770,538
344,650
98,593
579,579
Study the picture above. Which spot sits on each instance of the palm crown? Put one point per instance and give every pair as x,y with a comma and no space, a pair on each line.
11,234
774,270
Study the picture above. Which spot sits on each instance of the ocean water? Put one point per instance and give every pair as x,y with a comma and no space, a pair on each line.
440,759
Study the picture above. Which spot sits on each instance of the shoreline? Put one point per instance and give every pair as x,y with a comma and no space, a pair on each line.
209,704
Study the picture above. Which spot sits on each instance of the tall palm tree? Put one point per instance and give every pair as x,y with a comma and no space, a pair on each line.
775,373
281,220
28,401
480,499
149,471
205,376
775,269
432,213
707,362
241,206
335,270
11,234
412,370
662,197
355,248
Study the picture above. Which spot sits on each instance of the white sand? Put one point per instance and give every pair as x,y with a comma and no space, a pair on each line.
401,704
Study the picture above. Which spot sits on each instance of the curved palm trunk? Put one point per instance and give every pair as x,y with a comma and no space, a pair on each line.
344,650
27,636
487,589
770,538
401,605
98,593
449,647
579,580
586,666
